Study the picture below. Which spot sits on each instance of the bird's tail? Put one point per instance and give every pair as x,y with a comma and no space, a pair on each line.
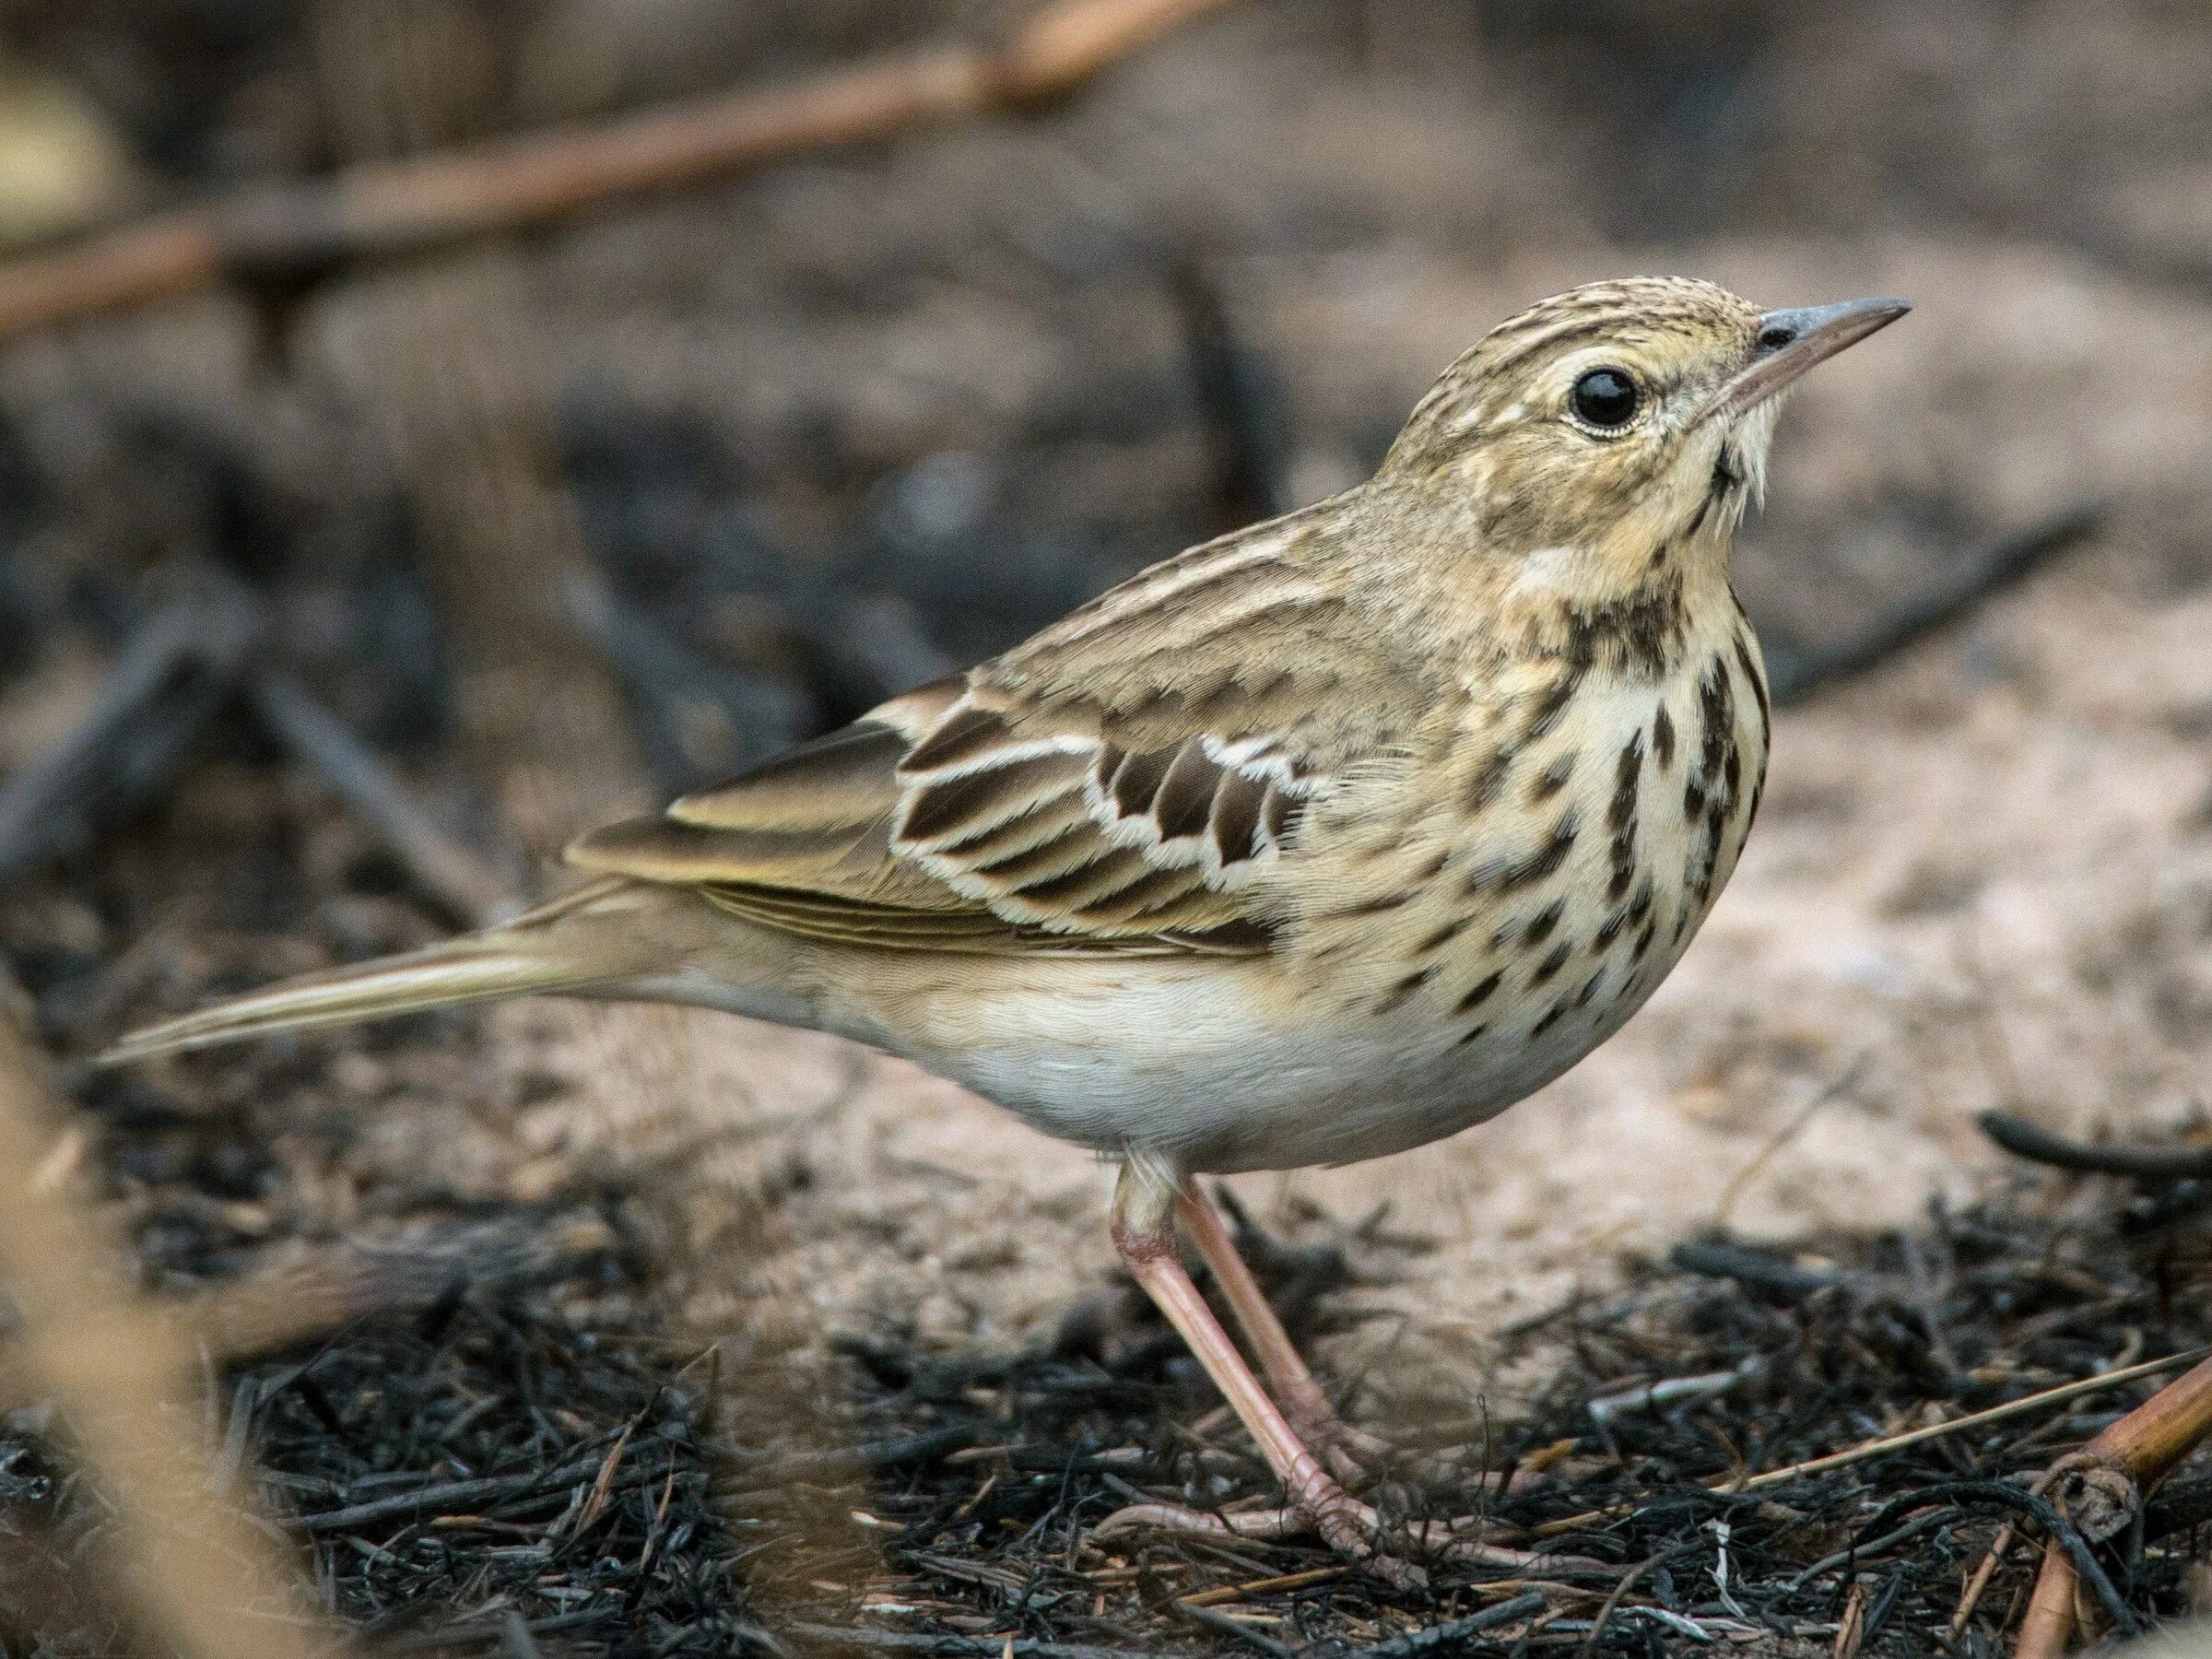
586,940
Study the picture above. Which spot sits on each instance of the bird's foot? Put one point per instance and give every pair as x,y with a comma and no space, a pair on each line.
1358,1459
1322,1508
1353,1456
1351,1528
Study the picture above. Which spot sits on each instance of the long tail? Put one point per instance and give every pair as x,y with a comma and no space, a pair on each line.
584,940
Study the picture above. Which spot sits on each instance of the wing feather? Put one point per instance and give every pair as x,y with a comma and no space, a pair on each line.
1122,782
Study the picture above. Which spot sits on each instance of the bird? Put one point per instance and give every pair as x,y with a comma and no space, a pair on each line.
1318,842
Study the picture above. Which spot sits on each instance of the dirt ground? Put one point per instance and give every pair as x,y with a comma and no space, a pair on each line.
943,389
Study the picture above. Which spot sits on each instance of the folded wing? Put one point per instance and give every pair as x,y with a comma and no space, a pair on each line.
1122,782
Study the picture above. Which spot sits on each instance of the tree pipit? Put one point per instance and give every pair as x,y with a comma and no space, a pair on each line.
1316,842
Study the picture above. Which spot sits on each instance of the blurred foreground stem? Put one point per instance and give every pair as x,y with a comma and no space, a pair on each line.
191,1575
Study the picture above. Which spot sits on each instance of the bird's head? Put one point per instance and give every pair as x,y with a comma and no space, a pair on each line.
1617,431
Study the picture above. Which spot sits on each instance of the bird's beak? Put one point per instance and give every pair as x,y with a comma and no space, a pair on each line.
1790,342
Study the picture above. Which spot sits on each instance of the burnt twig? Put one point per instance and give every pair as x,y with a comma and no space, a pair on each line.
958,1647
279,241
461,883
448,1496
694,717
2024,1139
1445,1637
1752,1267
172,676
1987,570
1237,402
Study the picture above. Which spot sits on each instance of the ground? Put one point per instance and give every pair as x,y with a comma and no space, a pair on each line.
829,428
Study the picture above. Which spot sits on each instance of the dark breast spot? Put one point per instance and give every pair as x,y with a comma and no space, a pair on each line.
1636,634
1756,680
1443,935
1627,773
1404,988
1479,993
1545,712
1551,780
1538,865
1549,967
1663,737
1716,705
1490,777
1547,920
1620,817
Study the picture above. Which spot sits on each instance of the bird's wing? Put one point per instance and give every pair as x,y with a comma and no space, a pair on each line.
1122,781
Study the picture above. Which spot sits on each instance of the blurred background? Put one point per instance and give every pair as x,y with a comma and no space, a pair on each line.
334,598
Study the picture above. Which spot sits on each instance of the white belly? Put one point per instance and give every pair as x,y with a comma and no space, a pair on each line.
1149,1056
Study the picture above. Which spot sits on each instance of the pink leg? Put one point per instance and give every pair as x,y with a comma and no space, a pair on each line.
1304,1401
1147,1243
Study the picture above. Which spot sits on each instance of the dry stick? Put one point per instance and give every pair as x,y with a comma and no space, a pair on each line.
1912,1437
1977,574
2024,1139
1833,1089
170,677
2047,1628
1971,1597
2142,1448
460,882
286,237
195,1577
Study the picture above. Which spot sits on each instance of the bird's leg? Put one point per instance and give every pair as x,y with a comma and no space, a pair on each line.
1144,1233
1304,1402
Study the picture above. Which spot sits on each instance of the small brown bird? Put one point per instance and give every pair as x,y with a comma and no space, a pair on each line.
1316,842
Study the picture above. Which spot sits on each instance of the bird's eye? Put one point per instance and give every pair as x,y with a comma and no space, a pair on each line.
1605,398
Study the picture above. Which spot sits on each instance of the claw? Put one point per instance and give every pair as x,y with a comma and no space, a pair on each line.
1351,1528
1357,1457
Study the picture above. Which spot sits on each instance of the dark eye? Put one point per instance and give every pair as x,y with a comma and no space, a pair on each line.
1604,397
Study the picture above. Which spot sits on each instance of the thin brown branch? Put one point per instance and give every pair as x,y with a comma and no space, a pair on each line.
195,1577
2137,1452
280,239
2047,1630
